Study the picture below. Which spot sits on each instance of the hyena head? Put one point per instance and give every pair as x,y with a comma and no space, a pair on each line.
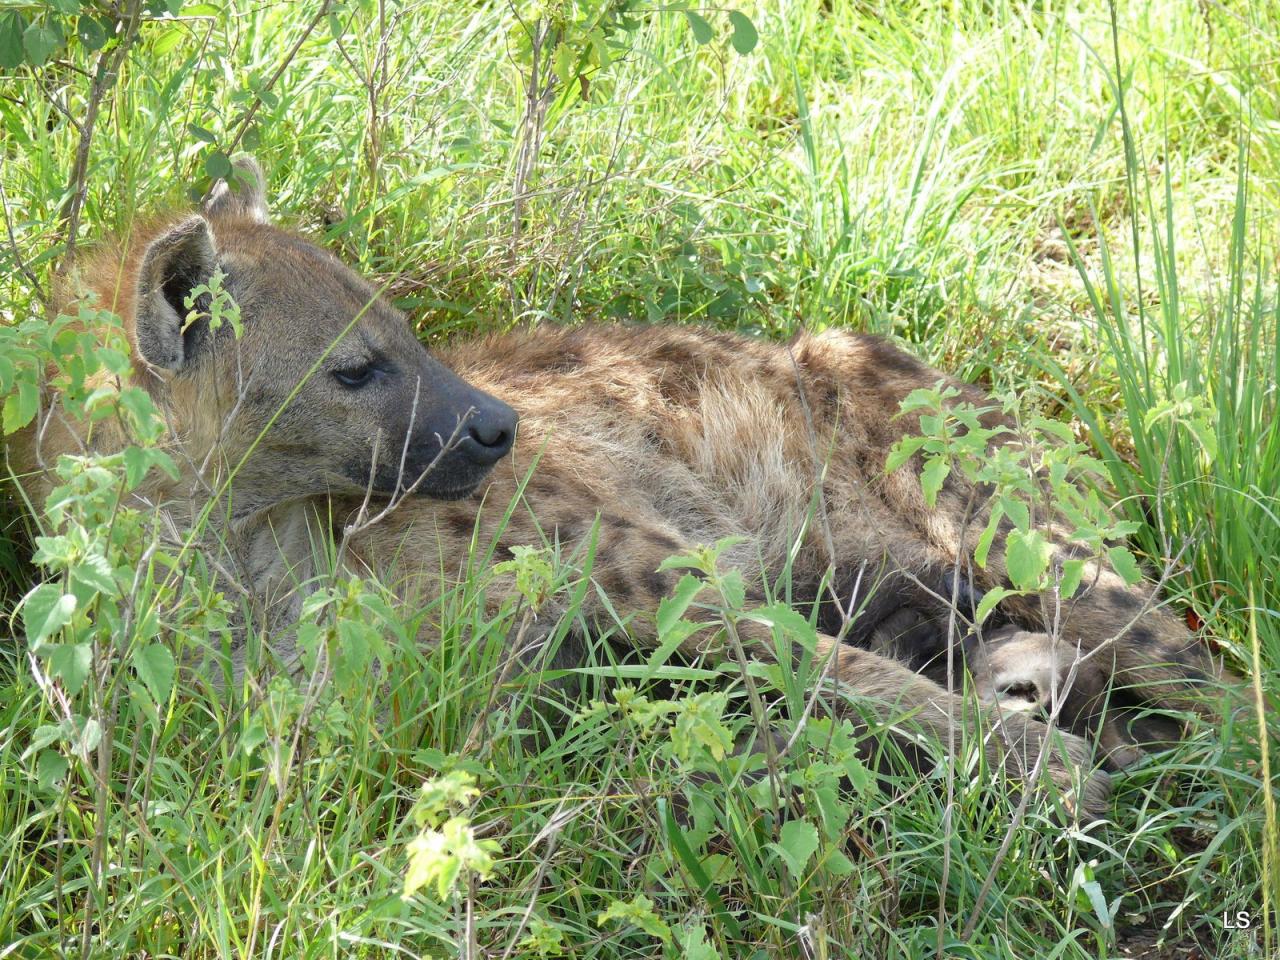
325,390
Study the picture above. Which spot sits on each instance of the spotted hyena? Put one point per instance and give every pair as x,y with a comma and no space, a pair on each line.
649,439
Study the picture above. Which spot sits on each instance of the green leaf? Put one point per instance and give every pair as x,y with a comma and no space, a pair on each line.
1017,511
40,41
1090,892
564,63
1072,573
1125,564
137,461
143,700
167,40
791,623
693,944
45,611
837,864
201,133
20,407
45,734
52,552
672,639
95,572
90,32
744,37
704,881
12,27
983,548
1055,427
1026,557
920,398
797,842
254,736
143,413
989,601
638,911
733,589
902,451
51,767
672,608
87,737
934,474
699,722
702,32
155,666
217,165
70,662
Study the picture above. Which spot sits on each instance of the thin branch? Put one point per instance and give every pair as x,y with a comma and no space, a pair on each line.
104,79
250,113
18,260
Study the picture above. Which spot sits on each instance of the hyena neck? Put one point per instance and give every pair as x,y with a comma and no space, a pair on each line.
282,548
276,558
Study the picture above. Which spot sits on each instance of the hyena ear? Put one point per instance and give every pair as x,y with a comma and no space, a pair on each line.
175,263
243,196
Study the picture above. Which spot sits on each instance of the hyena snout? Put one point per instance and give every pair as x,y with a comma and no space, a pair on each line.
488,431
458,434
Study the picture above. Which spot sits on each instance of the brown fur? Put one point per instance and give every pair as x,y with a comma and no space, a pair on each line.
671,437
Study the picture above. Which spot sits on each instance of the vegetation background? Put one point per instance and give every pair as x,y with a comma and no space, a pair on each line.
1070,201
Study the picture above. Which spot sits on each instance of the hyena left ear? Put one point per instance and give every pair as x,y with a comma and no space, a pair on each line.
243,196
174,264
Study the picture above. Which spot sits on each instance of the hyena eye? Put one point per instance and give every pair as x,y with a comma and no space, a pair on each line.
354,377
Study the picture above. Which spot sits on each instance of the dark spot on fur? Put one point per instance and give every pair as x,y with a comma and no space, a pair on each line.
621,589
1140,635
571,531
663,542
679,389
829,399
541,486
1190,659
887,358
676,354
1120,598
655,582
461,525
562,363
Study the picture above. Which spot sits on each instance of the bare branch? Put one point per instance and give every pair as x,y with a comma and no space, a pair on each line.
247,117
104,79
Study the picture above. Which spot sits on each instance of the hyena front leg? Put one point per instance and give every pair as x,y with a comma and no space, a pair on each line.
627,562
1125,628
1119,658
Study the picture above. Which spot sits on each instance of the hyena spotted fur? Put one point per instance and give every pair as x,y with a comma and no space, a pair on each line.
651,439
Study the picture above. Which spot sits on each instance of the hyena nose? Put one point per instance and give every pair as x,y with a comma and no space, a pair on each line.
490,433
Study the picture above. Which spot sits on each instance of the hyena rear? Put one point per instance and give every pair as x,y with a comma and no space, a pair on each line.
652,440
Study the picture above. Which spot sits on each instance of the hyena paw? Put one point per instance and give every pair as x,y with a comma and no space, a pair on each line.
1025,672
1068,761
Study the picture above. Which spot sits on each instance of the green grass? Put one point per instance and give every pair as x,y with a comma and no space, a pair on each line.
1026,198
